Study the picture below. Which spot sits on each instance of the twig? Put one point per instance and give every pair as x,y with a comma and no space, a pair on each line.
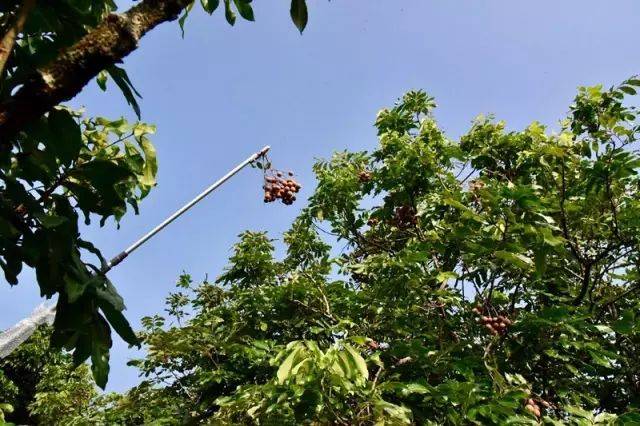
9,39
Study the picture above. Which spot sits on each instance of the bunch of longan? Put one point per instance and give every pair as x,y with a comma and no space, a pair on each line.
405,216
373,221
532,406
276,186
494,324
365,176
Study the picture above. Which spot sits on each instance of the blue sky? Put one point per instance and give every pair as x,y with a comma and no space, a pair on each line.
223,92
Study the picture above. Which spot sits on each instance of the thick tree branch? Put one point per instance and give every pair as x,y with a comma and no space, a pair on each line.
116,37
9,39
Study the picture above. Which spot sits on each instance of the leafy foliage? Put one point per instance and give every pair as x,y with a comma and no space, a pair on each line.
66,164
532,231
41,385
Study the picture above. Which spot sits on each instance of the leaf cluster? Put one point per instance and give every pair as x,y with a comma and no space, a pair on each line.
375,313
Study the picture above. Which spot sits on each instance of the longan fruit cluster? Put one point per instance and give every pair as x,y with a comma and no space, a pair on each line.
277,187
476,185
365,176
494,324
373,345
373,221
405,216
474,188
532,406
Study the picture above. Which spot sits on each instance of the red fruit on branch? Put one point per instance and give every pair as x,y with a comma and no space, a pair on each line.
495,325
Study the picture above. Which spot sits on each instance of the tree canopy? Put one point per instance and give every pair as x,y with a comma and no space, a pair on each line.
57,164
489,280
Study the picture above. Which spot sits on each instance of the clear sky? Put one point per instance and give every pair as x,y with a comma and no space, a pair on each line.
223,92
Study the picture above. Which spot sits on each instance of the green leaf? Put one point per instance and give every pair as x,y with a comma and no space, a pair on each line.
244,8
150,162
66,137
550,239
119,323
625,324
628,90
466,211
121,79
285,368
101,79
107,293
344,364
516,259
133,157
359,362
183,18
50,221
631,418
443,277
101,343
413,388
299,14
210,5
228,13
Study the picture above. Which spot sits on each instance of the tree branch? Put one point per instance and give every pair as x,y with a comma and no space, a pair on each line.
586,280
9,39
563,217
63,78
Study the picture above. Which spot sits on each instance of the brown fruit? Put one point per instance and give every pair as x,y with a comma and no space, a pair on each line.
487,319
530,408
490,328
536,412
364,176
476,311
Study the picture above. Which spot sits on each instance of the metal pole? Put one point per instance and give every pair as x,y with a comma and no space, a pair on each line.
120,257
16,335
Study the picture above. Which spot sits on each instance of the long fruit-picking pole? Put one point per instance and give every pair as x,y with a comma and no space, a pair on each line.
10,339
120,257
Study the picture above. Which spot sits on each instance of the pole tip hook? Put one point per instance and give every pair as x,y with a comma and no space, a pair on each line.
263,151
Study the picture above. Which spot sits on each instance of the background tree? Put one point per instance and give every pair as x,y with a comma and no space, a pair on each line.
56,164
492,280
42,385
